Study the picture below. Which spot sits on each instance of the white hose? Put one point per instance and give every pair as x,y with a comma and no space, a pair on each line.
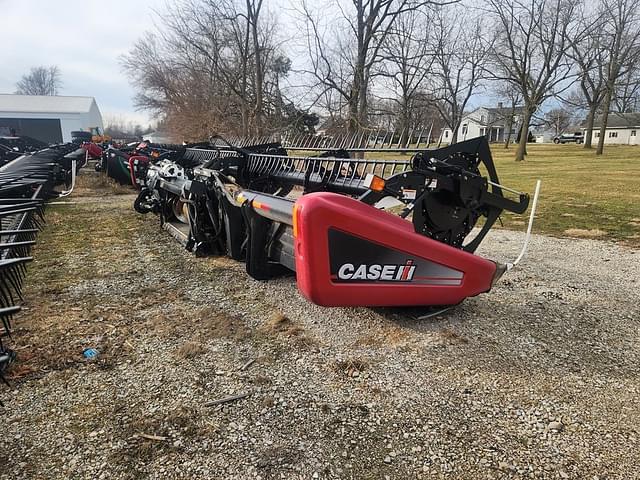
528,235
73,180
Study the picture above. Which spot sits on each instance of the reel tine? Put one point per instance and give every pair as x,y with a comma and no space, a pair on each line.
17,286
419,137
5,292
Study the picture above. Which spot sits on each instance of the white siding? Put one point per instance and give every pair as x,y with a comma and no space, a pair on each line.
74,113
618,136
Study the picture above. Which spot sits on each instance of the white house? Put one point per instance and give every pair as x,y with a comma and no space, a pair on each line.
47,118
157,137
491,122
543,136
622,129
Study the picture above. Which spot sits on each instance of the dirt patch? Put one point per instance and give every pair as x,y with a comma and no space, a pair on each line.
582,233
213,322
452,337
388,335
351,367
281,325
190,349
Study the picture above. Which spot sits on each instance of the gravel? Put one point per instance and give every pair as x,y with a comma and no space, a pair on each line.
536,379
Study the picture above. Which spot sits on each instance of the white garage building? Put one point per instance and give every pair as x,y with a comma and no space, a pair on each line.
50,119
622,129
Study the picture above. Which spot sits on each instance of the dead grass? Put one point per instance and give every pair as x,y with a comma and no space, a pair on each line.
213,322
351,367
98,184
281,325
452,337
387,336
189,350
578,232
581,193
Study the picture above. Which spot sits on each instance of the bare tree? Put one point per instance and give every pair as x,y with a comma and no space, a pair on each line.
627,95
460,62
405,62
558,119
530,52
253,15
345,63
215,66
620,30
40,81
512,96
589,52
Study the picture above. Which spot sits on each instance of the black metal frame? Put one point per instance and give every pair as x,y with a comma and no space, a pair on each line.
26,182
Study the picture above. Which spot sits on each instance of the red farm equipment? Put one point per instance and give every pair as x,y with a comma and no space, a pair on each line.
356,232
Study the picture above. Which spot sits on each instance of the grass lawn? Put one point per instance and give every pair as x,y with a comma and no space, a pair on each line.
582,195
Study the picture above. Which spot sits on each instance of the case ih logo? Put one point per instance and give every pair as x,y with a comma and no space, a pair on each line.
389,273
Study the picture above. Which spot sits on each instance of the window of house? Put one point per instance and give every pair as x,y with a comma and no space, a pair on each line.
597,134
613,134
464,129
633,133
446,134
481,118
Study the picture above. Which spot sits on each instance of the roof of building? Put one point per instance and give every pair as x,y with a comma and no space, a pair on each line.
44,103
494,114
619,120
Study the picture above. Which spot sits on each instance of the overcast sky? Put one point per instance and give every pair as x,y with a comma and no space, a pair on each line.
84,38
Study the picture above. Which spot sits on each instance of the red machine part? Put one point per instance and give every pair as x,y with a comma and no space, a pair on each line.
92,149
135,161
348,253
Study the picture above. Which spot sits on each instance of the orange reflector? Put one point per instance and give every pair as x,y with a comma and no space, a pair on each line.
377,183
260,205
295,220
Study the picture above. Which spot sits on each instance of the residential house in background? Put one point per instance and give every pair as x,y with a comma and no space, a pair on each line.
490,122
158,136
543,135
622,129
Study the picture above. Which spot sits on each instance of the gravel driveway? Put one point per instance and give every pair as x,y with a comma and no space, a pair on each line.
536,379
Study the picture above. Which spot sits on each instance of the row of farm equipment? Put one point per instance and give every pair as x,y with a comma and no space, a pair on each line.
357,231
31,173
398,230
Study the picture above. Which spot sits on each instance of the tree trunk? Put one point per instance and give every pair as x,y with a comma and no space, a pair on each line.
357,100
588,133
605,118
509,128
352,125
245,118
454,133
524,135
253,13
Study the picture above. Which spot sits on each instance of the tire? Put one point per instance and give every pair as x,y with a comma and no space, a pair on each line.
556,141
81,136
